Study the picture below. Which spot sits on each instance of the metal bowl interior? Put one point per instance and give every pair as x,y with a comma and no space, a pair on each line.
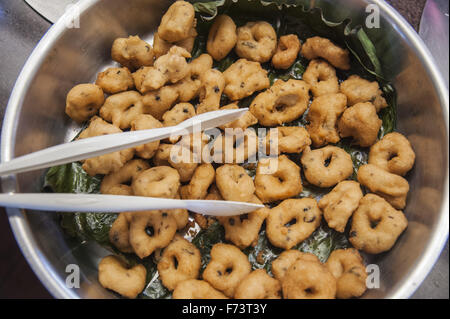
35,120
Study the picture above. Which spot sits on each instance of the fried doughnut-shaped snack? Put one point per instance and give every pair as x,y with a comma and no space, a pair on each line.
235,147
222,37
161,181
189,87
132,52
177,22
258,285
227,268
243,78
287,258
108,163
348,268
291,139
179,113
323,116
180,215
282,103
234,183
287,51
277,179
339,204
196,289
117,183
308,280
171,67
256,41
246,120
317,47
151,230
83,101
115,80
122,108
182,159
160,101
180,261
197,188
361,122
317,172
359,90
119,233
115,275
376,225
145,122
393,153
322,78
390,186
292,221
213,84
243,230
161,46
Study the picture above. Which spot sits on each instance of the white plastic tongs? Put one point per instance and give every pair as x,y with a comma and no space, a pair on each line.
105,144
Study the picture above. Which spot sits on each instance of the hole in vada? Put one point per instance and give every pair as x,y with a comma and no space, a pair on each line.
293,221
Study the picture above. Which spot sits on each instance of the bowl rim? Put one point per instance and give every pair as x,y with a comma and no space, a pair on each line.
44,270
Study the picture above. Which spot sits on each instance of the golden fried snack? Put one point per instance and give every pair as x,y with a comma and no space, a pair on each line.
326,166
359,90
145,122
177,22
287,51
376,225
292,221
323,116
122,108
180,215
339,204
227,268
161,157
243,78
83,101
119,233
196,289
160,101
171,67
182,159
108,163
243,230
197,188
235,146
258,285
115,80
116,275
317,47
161,46
391,187
132,52
179,113
256,41
117,183
282,103
277,179
234,183
189,87
361,122
287,258
348,268
180,261
322,78
161,181
291,139
213,84
246,120
222,37
151,230
393,153
308,280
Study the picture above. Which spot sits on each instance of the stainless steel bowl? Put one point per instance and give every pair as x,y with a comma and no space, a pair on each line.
35,120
